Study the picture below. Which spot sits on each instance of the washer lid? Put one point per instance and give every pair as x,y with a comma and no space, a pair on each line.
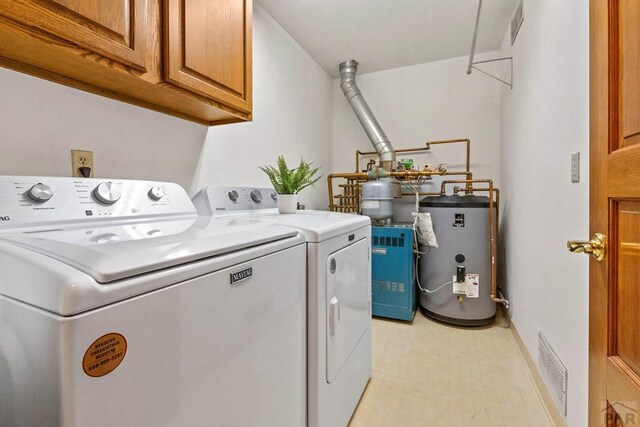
119,251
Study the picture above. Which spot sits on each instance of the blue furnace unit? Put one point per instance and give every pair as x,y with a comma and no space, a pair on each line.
393,281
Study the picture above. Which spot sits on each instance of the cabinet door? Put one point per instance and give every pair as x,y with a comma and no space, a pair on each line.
111,28
208,49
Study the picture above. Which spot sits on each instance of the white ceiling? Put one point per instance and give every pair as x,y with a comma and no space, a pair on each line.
384,34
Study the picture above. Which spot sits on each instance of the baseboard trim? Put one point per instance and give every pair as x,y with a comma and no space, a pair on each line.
549,405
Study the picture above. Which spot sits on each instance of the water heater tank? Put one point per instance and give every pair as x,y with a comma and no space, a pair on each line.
461,225
377,199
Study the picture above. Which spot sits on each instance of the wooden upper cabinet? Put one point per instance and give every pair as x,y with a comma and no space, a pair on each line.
112,28
208,48
187,58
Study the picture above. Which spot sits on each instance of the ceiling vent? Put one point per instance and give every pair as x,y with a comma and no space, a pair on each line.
516,21
553,372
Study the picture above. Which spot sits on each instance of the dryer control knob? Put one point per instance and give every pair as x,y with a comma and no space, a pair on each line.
156,193
107,193
274,195
256,196
40,193
233,195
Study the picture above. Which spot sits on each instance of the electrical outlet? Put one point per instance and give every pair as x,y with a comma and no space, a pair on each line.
575,167
81,159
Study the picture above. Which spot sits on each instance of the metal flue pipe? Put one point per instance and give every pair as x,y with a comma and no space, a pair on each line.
381,143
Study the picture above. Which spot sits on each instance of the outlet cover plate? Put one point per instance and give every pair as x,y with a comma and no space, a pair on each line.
81,158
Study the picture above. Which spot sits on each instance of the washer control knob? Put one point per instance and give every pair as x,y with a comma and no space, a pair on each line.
156,193
256,196
274,196
40,193
233,195
107,193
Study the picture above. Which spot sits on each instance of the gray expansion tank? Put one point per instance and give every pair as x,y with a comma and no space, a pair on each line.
461,226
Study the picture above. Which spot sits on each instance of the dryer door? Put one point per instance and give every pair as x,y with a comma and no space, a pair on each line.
348,303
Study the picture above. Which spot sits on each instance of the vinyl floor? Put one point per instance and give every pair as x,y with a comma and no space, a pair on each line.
429,374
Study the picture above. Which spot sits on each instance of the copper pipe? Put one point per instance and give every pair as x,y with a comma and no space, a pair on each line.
492,232
330,187
350,175
427,148
497,231
419,174
354,194
469,176
358,153
351,193
454,141
348,201
363,176
464,181
497,191
373,153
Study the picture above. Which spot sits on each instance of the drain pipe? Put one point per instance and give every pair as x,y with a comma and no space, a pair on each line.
364,114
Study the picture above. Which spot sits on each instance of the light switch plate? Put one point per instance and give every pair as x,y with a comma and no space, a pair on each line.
575,167
81,158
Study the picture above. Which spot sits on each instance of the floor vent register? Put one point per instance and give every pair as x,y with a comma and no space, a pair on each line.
553,372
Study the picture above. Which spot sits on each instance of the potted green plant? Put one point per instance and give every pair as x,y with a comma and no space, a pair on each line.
289,182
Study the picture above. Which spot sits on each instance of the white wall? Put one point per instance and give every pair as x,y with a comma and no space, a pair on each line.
437,100
292,116
40,122
545,119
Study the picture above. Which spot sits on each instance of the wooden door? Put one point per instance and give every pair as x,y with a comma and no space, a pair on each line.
614,329
114,29
208,49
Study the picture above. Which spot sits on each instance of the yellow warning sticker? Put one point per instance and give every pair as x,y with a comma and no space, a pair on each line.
104,355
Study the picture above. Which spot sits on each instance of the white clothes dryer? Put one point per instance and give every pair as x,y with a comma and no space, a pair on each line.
339,295
120,306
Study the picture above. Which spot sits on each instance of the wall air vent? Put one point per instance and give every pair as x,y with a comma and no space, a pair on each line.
553,372
516,21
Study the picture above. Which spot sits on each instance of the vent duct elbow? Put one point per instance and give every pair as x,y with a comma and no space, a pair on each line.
374,131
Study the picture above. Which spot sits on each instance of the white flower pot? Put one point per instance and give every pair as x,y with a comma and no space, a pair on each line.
287,203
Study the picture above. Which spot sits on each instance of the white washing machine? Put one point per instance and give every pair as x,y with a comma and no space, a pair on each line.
339,295
119,306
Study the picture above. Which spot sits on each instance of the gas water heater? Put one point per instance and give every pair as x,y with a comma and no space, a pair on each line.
457,274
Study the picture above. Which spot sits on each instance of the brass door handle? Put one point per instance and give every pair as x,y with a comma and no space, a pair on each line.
596,246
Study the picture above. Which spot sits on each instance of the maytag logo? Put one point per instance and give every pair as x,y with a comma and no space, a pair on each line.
5,218
239,276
